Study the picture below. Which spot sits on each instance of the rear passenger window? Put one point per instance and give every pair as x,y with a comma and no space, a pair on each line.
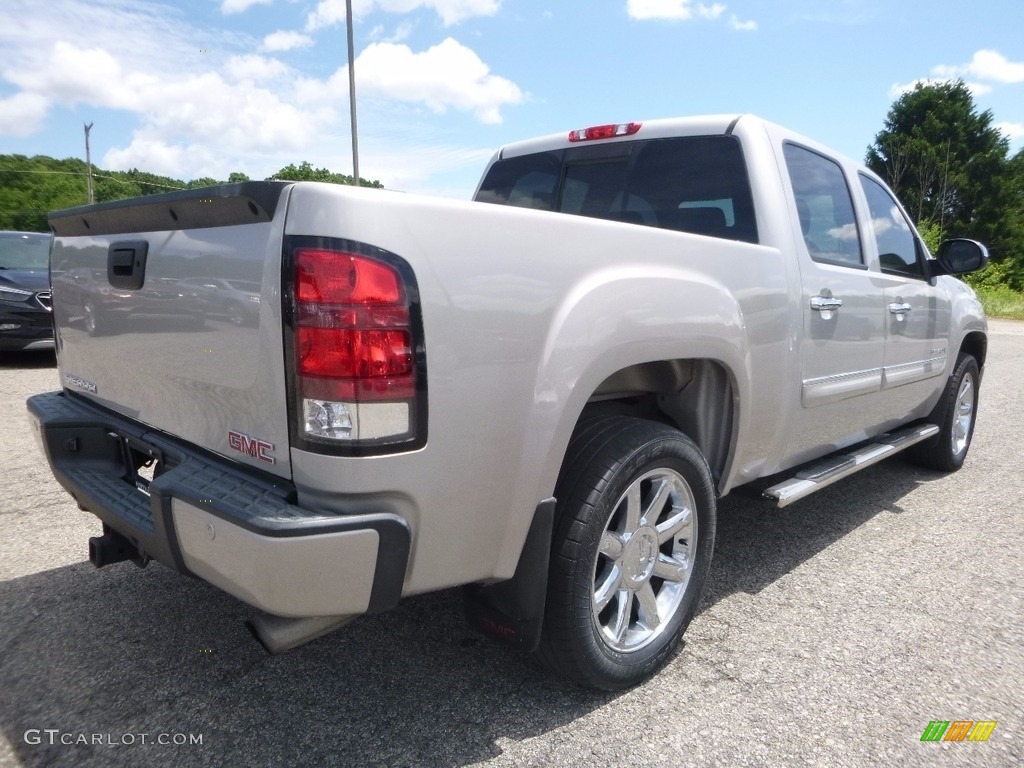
692,184
897,246
594,188
525,182
824,207
697,184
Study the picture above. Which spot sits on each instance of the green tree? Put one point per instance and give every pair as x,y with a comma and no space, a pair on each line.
949,166
32,186
304,171
1016,217
202,181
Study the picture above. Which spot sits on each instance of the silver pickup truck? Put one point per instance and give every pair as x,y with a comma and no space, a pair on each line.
538,395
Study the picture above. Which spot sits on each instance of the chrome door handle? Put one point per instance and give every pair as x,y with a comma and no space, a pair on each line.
825,303
899,309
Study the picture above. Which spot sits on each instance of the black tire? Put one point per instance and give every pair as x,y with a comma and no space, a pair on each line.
955,415
601,628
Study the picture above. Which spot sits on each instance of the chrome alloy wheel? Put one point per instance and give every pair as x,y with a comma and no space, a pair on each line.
645,559
963,417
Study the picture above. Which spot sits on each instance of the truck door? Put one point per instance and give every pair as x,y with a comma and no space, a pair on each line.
843,331
917,312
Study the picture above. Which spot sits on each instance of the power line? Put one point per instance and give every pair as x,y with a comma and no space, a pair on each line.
98,176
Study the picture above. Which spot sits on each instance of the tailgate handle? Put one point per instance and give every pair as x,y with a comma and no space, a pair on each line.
126,264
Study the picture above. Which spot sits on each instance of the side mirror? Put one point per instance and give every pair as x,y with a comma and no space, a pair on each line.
960,256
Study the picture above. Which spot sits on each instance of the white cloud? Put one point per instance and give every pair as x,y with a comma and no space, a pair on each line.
327,14
410,167
209,110
286,40
683,10
205,107
1012,131
157,156
446,75
22,114
74,75
898,89
237,6
742,26
187,113
986,65
253,68
402,32
330,12
710,11
672,10
978,89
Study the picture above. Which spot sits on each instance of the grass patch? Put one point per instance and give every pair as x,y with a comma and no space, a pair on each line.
1001,301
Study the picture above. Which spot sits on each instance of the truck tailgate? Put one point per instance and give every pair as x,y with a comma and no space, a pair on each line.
167,309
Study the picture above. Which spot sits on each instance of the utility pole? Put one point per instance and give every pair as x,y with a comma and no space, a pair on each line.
88,164
352,92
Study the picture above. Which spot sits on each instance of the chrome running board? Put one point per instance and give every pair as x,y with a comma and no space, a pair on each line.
838,466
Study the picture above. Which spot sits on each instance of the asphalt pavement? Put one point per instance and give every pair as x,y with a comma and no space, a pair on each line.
831,633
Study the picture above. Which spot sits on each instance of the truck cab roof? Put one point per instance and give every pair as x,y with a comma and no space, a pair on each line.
706,125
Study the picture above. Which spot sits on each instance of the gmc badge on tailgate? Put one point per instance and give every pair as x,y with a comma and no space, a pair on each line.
251,446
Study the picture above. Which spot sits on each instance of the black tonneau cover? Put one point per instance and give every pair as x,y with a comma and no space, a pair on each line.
221,206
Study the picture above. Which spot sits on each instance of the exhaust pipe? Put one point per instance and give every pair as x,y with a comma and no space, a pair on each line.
112,547
278,634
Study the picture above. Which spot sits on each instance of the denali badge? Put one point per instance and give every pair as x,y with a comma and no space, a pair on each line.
78,381
250,446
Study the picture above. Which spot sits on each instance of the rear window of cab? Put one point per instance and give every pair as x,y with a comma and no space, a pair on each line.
695,184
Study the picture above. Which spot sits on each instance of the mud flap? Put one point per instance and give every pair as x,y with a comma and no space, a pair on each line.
513,611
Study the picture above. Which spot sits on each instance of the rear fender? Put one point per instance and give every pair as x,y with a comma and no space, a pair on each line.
618,318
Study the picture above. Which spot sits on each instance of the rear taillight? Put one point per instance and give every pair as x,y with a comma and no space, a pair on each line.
354,349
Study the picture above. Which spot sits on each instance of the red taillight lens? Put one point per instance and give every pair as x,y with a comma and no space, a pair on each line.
604,131
360,356
330,277
353,340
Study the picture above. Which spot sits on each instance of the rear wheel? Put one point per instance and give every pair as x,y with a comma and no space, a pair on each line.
955,415
631,551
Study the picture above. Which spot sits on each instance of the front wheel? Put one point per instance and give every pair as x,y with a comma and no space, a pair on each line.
955,415
631,552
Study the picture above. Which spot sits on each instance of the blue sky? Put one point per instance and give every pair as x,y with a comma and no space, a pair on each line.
193,88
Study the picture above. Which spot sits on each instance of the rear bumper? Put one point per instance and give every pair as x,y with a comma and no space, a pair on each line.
205,516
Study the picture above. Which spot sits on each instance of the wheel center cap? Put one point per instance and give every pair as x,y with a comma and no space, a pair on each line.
639,557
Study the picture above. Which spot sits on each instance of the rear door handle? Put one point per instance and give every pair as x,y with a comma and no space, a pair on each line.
899,309
825,303
126,264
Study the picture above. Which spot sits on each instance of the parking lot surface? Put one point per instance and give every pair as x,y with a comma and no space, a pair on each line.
831,633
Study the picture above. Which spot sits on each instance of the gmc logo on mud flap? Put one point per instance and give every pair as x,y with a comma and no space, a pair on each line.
250,446
491,627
